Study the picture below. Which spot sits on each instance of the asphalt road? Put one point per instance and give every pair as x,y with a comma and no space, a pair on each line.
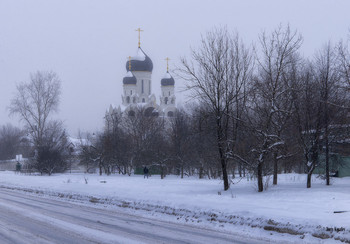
32,219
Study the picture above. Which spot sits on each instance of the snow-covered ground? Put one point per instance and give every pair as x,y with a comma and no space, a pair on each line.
288,211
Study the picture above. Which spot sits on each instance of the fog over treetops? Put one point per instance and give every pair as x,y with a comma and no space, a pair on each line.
87,42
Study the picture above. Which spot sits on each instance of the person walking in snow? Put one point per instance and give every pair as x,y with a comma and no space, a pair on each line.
145,172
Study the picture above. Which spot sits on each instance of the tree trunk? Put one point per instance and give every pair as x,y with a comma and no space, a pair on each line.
223,168
240,169
327,154
308,184
129,171
182,171
286,170
327,164
209,174
223,162
326,131
224,174
311,168
260,178
233,170
275,168
212,173
201,172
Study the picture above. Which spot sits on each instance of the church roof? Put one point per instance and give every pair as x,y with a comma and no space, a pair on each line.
129,79
168,80
140,62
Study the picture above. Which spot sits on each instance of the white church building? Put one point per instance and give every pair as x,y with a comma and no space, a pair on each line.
137,89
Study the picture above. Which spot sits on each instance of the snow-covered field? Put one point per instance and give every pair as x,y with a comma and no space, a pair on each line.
287,212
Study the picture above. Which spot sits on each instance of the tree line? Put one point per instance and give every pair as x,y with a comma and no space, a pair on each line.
257,110
43,140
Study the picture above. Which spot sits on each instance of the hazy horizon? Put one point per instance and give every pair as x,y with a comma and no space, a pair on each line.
87,42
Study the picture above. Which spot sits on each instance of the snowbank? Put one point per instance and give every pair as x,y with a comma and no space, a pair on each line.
288,208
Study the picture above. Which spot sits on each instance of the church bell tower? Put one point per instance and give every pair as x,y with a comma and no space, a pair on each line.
167,98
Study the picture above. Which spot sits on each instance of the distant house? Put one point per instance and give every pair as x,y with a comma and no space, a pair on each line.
74,145
339,166
11,164
339,156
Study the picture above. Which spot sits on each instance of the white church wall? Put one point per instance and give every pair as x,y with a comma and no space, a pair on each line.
143,91
129,91
167,94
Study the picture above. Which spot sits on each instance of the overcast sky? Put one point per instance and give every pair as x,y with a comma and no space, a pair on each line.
87,42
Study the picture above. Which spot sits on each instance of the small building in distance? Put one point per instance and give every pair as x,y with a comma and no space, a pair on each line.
339,152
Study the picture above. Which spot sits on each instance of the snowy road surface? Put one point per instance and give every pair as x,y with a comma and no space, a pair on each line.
30,219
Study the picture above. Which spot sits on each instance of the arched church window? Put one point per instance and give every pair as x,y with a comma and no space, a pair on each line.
143,100
149,87
142,86
130,92
131,113
170,114
169,93
166,100
127,99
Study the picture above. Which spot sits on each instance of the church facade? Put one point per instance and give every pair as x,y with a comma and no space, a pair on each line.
137,89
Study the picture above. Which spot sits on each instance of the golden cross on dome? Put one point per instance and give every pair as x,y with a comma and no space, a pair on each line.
139,30
167,64
129,63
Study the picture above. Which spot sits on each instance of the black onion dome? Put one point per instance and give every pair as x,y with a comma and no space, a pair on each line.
140,62
168,80
129,79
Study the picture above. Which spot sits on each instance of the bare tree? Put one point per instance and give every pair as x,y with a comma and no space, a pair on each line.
344,61
271,97
327,75
218,72
11,142
144,130
308,117
180,137
203,142
116,144
160,150
89,156
35,101
52,154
